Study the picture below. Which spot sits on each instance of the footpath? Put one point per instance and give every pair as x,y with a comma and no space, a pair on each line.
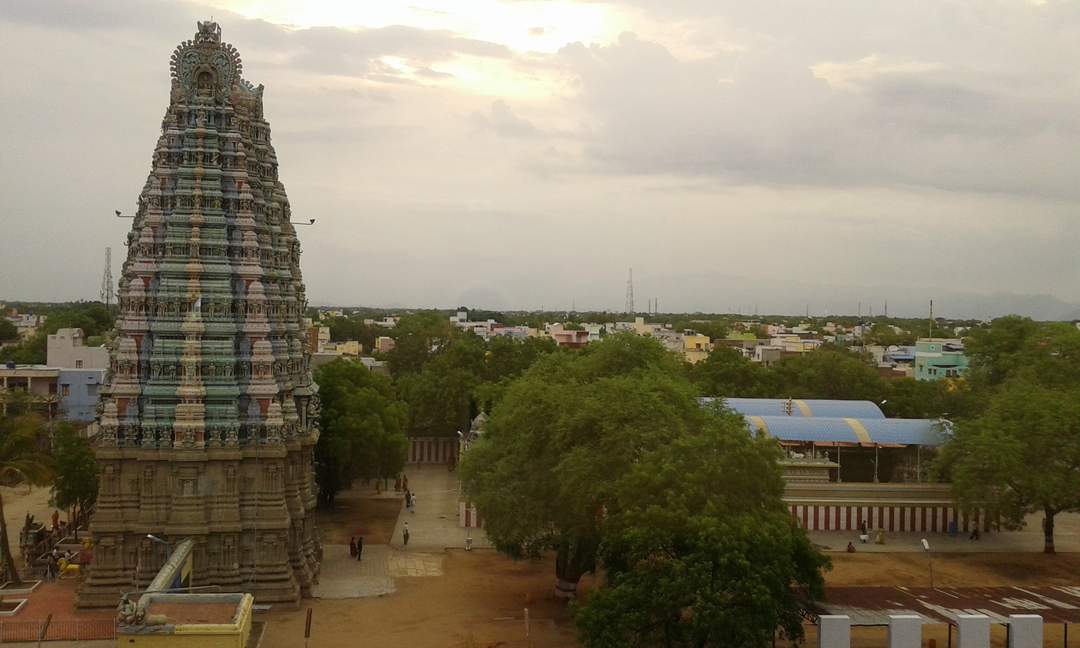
433,527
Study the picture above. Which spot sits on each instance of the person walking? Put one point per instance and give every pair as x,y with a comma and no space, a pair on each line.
405,535
413,507
408,499
359,548
352,547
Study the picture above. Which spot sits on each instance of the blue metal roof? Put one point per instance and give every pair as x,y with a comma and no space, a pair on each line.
802,407
813,429
864,432
906,431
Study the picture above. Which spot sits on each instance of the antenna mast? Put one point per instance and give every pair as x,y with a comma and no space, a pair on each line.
629,307
108,293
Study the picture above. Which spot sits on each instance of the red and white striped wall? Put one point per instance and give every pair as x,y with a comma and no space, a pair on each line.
432,450
914,518
468,517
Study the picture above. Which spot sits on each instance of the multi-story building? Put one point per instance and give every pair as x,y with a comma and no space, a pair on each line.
384,344
38,381
67,349
696,347
938,358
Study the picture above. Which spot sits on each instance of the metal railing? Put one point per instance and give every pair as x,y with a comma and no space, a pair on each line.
70,630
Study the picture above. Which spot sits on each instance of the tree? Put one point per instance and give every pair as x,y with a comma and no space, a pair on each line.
997,350
415,338
828,372
348,328
440,396
726,372
22,460
8,331
702,551
544,470
76,483
1020,457
363,424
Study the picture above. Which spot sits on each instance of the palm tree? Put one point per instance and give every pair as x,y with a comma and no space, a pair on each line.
22,461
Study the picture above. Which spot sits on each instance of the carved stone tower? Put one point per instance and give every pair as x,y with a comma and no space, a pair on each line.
209,414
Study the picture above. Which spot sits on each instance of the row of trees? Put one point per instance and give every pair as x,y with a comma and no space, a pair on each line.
605,458
830,372
442,377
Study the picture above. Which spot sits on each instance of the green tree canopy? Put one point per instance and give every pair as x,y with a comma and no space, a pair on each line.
8,331
727,372
24,458
416,338
1021,456
703,551
828,372
362,423
76,474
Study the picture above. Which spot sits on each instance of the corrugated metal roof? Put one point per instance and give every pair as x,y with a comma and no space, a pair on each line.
820,429
905,431
802,407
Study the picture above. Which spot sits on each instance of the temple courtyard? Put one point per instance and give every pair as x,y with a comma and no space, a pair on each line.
434,593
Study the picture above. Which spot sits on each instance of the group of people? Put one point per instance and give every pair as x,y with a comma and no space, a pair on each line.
356,547
410,500
55,561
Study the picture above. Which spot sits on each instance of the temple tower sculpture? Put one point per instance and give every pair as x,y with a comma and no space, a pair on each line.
208,415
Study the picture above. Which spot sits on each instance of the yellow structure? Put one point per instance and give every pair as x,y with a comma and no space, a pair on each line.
696,347
190,621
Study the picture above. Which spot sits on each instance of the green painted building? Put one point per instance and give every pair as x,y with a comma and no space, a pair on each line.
939,358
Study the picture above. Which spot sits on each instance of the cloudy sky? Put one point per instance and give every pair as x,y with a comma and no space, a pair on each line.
776,155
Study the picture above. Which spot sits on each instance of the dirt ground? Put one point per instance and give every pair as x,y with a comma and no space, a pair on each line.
357,513
20,500
480,601
477,603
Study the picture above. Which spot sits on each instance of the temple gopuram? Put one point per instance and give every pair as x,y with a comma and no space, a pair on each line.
208,415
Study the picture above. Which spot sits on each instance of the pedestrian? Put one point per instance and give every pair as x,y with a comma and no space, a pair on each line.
359,548
405,535
413,504
974,534
850,548
352,547
408,499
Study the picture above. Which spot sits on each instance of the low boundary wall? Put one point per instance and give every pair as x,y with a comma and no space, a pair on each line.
925,508
432,450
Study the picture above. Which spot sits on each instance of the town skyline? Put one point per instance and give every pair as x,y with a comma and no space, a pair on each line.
476,153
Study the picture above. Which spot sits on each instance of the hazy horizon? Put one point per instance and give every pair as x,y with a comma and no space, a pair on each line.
517,154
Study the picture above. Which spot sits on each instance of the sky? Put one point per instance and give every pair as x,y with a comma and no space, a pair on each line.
772,157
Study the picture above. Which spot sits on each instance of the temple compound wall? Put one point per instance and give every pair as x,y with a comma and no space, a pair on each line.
208,414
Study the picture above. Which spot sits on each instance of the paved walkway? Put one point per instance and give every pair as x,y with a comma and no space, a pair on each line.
433,524
433,527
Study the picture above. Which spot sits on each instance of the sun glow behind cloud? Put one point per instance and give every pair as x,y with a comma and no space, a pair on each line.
525,27
538,26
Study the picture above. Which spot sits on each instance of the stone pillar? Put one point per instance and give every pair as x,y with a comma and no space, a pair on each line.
834,631
1025,631
905,631
973,631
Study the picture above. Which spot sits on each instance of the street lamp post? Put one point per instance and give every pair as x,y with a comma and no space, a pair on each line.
929,560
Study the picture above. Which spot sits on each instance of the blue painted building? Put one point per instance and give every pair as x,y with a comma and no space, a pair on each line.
78,392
